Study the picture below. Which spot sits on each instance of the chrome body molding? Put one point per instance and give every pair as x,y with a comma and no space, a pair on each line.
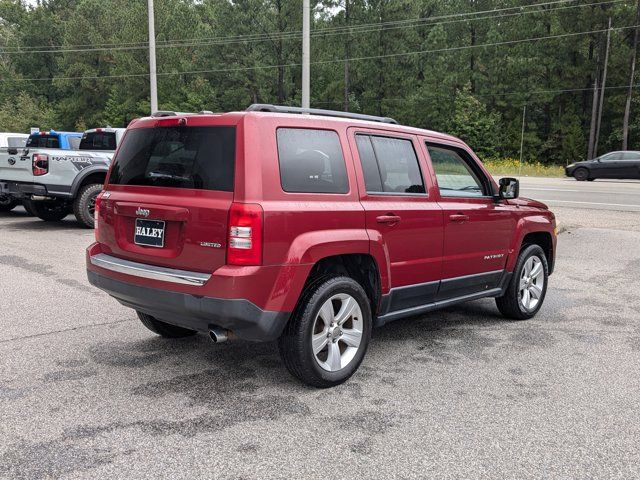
152,272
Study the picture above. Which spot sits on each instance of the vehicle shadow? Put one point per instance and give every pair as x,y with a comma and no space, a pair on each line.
30,223
195,366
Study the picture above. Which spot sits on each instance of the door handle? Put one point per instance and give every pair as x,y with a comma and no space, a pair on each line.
389,218
459,218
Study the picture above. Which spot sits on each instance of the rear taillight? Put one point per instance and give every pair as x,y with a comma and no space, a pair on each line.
96,214
245,234
40,164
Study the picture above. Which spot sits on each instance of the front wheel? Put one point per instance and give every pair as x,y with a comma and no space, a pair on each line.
528,285
7,203
328,334
48,210
581,174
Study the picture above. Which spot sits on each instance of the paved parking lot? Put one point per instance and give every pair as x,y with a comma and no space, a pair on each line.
87,392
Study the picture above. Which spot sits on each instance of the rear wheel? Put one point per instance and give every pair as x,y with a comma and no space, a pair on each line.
7,203
48,210
328,334
164,329
528,285
84,205
581,174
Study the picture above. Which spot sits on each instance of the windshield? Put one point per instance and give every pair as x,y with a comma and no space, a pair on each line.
180,157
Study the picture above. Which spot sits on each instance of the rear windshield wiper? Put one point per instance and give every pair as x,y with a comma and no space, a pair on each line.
167,176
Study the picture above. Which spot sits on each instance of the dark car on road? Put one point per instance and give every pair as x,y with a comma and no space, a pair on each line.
620,165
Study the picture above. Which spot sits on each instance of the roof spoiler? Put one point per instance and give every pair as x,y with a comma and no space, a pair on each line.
265,107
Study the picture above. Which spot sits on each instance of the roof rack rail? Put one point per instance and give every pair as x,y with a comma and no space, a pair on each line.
265,107
168,113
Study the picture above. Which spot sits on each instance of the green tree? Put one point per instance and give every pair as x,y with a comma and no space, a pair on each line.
472,123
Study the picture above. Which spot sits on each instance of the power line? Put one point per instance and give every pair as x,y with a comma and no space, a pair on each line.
362,28
323,62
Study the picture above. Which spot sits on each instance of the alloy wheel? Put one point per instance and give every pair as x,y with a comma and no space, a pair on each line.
337,332
531,283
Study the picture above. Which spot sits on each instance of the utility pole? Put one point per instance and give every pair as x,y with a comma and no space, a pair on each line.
306,53
627,106
594,113
153,81
602,87
346,56
524,114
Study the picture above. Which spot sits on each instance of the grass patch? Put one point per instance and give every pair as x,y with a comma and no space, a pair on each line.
511,167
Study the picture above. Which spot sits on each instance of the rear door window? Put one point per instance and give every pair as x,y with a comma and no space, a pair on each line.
43,141
390,165
98,141
311,161
201,158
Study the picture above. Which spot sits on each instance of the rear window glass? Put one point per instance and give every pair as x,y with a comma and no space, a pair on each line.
98,141
311,161
201,158
43,141
16,142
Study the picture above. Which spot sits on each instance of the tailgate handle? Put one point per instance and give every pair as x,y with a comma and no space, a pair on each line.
389,218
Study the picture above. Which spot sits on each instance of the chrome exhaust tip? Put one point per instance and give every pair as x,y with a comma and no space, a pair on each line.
218,335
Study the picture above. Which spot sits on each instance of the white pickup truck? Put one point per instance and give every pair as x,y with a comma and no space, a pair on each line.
52,179
10,141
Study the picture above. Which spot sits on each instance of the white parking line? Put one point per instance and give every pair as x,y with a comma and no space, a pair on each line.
590,203
523,187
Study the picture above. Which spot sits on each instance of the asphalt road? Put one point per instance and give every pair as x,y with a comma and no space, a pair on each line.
597,195
87,392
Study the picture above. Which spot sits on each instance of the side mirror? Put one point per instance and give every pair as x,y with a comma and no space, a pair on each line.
509,188
12,151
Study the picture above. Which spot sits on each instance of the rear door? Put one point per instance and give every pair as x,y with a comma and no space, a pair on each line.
169,194
477,230
399,213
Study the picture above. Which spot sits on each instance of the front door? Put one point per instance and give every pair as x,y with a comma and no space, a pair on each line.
477,230
401,219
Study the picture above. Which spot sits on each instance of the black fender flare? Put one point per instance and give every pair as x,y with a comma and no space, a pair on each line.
84,173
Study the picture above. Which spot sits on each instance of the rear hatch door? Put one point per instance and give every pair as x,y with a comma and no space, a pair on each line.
169,194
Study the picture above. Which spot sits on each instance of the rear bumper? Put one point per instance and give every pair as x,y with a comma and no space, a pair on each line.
21,190
27,189
199,313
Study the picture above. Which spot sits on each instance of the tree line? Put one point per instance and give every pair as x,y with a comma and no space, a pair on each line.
467,67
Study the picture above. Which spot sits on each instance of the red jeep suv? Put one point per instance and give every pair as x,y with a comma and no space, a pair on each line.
309,227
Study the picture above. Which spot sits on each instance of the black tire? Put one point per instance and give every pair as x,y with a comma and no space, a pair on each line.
510,304
85,203
163,329
581,174
49,210
295,343
7,203
27,206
